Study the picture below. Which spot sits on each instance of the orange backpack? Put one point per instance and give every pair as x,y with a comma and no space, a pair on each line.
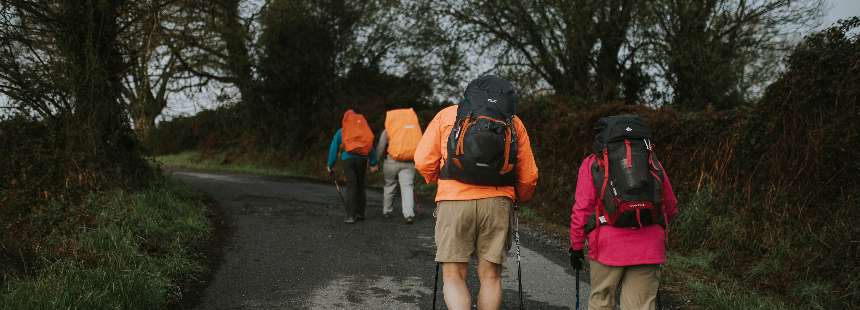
356,134
403,132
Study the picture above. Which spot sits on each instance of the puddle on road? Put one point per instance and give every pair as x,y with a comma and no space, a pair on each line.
385,292
216,177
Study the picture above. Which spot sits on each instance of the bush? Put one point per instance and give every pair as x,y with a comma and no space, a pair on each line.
41,173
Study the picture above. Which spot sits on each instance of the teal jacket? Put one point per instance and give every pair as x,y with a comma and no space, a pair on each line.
335,147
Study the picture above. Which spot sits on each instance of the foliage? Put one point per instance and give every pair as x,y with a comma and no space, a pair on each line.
61,67
324,51
716,53
68,138
39,172
721,53
291,29
118,250
796,166
559,43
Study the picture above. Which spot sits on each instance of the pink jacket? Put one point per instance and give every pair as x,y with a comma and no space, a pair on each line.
617,246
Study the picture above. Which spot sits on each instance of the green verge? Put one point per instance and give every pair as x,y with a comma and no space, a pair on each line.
218,162
696,274
266,164
698,285
134,253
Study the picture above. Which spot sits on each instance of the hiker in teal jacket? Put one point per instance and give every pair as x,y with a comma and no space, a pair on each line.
334,147
354,167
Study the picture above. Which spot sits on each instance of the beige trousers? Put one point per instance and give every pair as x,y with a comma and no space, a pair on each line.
638,287
403,173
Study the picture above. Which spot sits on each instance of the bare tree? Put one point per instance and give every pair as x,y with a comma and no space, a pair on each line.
63,62
153,67
714,52
29,62
211,39
578,47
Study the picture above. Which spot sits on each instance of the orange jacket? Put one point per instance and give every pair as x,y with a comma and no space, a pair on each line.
432,153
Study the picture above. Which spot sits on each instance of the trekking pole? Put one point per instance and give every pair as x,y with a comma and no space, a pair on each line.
337,186
587,296
658,298
519,264
435,285
577,289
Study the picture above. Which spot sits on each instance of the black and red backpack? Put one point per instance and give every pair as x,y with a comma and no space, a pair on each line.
482,146
627,175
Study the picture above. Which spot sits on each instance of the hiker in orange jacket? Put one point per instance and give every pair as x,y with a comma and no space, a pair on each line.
475,219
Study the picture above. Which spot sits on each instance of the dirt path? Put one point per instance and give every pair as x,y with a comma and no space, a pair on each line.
289,249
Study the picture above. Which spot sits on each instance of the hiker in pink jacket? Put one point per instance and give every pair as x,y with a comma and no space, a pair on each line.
628,244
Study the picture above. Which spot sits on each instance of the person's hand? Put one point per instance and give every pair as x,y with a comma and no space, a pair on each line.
374,169
327,168
576,258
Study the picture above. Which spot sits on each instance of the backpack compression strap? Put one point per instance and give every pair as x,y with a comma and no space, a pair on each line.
461,136
653,164
464,127
507,167
629,153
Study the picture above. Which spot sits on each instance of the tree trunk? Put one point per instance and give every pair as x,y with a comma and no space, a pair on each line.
97,129
95,68
238,58
143,126
613,30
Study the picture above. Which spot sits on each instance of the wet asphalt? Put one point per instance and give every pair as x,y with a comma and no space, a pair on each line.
286,247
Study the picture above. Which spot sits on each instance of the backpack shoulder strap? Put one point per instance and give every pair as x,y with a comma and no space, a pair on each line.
599,207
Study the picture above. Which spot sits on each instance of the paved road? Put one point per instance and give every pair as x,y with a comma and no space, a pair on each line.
289,249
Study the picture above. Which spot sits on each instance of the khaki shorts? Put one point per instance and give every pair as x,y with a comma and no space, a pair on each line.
463,226
639,286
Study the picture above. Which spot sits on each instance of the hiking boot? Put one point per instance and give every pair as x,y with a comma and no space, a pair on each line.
386,215
410,220
349,220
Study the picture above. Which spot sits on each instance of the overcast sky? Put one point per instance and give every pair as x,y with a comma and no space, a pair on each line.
841,9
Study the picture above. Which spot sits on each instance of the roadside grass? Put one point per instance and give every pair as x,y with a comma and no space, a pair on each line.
219,162
693,278
134,251
269,164
700,271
